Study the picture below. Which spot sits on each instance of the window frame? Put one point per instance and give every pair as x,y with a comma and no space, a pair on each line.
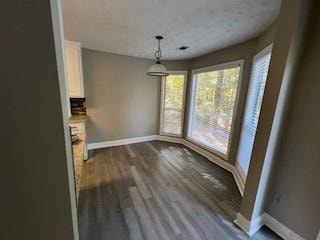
264,52
162,105
236,63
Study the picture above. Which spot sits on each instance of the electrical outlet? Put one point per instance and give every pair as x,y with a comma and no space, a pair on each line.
276,198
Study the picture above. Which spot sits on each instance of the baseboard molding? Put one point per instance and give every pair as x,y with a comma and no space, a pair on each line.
280,229
210,156
238,179
265,219
249,227
170,139
120,142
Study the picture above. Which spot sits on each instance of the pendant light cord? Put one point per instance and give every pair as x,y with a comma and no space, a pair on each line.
158,52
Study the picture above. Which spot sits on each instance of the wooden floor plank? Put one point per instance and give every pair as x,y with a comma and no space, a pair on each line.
143,188
144,216
157,191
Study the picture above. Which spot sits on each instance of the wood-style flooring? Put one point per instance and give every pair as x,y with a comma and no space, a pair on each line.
154,191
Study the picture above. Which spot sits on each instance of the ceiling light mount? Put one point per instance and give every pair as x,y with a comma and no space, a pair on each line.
182,48
158,69
157,54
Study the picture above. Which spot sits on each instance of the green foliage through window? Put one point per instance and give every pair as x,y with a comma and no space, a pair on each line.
214,101
173,104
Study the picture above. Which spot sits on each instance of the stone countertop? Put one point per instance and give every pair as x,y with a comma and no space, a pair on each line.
79,149
77,119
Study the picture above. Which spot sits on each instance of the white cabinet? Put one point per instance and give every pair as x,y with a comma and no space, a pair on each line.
74,69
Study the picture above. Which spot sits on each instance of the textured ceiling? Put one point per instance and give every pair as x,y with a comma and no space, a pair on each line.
128,27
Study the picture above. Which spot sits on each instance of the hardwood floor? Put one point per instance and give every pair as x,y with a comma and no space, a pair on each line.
155,191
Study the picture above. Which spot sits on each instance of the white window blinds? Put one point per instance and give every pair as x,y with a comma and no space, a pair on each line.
253,105
173,93
213,103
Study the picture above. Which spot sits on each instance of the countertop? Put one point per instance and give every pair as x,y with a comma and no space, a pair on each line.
79,149
77,119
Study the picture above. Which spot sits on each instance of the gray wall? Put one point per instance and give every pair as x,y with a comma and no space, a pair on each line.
267,37
178,65
286,55
122,101
245,51
35,198
298,159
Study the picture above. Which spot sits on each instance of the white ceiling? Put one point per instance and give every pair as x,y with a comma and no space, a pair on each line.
128,27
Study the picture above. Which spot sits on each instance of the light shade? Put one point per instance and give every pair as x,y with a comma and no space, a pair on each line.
158,70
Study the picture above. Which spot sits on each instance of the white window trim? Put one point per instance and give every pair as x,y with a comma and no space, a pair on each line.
256,57
261,54
161,132
191,105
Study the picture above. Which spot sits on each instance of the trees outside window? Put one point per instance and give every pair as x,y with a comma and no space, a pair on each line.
213,102
172,104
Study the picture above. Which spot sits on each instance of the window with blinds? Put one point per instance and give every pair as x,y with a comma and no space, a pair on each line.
212,105
172,103
252,111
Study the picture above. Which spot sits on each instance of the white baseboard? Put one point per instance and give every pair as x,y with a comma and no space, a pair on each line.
169,139
120,142
280,229
249,227
210,156
243,223
265,219
238,179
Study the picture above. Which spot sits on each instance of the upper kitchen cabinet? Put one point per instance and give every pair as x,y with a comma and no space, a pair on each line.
74,69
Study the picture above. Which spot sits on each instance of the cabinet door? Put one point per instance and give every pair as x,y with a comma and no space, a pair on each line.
74,70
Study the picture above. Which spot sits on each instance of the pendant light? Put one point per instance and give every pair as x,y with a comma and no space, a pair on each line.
158,69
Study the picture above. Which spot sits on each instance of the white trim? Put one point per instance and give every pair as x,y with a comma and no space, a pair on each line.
235,107
91,146
243,223
267,50
226,65
240,172
56,16
280,229
264,52
73,44
170,139
77,46
249,227
210,156
185,74
265,219
217,67
239,181
207,148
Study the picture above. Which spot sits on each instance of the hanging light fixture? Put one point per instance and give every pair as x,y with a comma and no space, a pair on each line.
158,69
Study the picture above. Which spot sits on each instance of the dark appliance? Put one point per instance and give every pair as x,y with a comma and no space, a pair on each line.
78,106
